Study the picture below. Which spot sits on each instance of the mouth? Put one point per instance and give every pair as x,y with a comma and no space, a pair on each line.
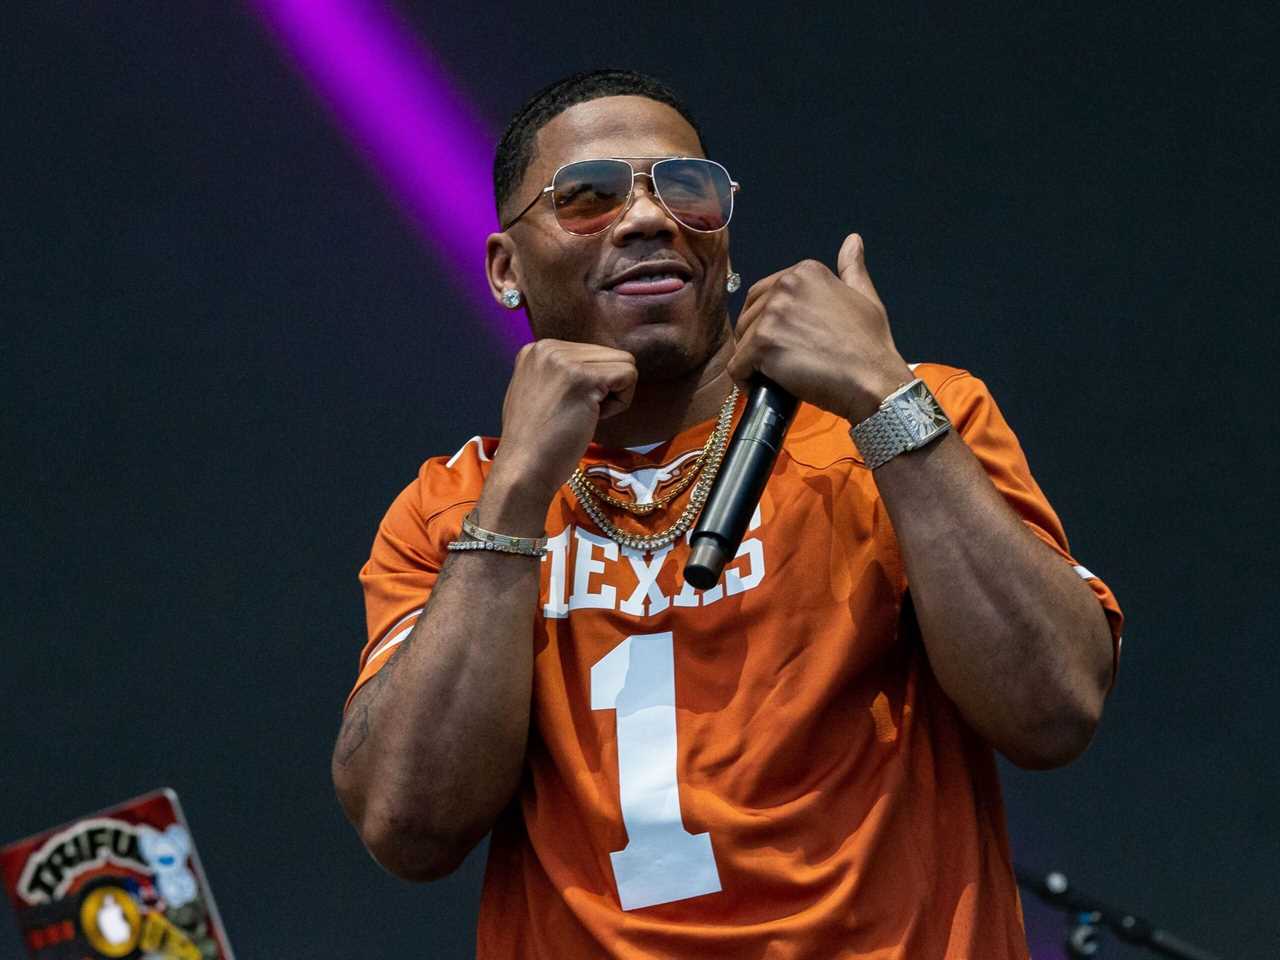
652,279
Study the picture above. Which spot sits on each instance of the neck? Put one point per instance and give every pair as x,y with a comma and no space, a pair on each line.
660,410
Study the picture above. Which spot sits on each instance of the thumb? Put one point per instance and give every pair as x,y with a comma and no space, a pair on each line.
851,264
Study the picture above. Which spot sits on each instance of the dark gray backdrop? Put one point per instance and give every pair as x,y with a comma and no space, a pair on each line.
225,351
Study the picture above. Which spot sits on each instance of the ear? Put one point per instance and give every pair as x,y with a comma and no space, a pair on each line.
179,837
148,837
502,265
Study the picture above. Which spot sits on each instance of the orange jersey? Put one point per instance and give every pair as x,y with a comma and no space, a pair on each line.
767,768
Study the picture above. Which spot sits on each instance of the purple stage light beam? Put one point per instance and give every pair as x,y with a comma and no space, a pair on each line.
400,109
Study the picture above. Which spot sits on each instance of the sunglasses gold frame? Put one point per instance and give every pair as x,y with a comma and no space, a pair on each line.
734,187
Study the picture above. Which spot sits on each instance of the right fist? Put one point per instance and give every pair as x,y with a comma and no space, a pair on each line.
558,393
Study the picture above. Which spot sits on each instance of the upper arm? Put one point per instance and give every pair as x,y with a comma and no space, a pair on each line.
408,553
978,420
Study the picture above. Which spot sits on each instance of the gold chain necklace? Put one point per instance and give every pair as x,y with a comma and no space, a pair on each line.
710,458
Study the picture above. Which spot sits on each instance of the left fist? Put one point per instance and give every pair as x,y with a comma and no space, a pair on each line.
825,339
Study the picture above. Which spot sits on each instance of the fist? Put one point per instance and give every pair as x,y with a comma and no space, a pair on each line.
824,338
558,393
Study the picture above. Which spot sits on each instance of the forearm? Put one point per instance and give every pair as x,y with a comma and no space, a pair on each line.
1014,637
432,747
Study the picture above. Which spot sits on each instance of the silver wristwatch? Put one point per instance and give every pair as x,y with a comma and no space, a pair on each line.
907,419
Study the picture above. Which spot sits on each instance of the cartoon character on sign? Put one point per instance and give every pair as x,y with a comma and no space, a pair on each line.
112,923
166,854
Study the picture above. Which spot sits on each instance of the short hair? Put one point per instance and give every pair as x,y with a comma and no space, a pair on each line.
516,148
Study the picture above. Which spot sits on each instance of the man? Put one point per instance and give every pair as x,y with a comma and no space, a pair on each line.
794,763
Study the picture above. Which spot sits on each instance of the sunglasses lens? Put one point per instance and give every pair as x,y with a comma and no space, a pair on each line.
697,192
589,195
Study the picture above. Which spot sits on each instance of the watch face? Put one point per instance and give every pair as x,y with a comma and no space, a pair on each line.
920,413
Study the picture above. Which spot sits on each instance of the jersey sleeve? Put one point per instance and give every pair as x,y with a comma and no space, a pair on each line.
975,416
409,550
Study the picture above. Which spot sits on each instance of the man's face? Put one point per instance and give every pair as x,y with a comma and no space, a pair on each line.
571,284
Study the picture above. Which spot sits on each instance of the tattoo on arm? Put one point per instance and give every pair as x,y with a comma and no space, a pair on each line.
355,727
354,732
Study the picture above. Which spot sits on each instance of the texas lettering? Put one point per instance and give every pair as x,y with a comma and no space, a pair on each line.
585,571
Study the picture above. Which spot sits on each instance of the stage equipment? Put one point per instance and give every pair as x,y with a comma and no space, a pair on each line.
1086,916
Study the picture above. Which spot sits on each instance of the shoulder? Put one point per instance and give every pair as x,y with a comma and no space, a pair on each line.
967,401
446,481
462,470
942,377
819,438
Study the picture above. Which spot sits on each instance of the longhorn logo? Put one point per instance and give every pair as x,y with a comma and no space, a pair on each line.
642,484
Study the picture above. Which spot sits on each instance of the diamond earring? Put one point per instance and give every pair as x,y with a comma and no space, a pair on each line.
734,282
511,299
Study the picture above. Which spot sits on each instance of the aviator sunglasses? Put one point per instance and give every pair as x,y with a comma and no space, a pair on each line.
588,196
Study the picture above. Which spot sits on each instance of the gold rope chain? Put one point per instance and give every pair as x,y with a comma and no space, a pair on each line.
709,465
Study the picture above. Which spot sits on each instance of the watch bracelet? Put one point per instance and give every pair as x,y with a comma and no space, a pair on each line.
883,435
880,441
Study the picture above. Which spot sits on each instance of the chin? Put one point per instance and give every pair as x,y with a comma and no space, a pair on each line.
660,362
667,358
667,347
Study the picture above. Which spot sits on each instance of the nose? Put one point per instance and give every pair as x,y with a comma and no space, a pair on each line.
644,216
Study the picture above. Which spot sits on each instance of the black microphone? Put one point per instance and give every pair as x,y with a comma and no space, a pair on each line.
738,487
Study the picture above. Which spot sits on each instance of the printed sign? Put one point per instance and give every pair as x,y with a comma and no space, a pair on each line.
124,884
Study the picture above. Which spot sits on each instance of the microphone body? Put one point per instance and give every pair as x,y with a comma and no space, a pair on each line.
737,489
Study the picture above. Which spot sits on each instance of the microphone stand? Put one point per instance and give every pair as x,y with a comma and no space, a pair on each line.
1086,915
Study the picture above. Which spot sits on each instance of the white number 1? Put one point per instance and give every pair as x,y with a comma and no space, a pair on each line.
662,861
